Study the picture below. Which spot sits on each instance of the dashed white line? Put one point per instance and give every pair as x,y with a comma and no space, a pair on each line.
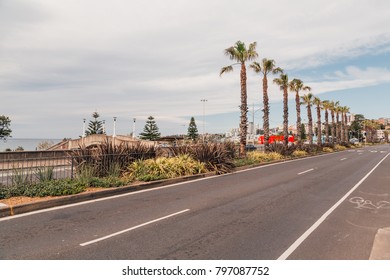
303,172
133,228
343,159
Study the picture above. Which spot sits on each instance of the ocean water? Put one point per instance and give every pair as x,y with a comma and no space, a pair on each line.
27,144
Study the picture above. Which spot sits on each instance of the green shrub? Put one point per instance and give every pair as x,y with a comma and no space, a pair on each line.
327,150
44,173
299,153
260,157
107,182
217,157
340,148
164,168
108,159
281,149
53,188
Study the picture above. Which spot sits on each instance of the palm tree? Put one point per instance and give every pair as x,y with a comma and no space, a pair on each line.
241,55
333,106
307,100
342,124
326,105
282,82
338,126
345,112
266,67
318,104
297,85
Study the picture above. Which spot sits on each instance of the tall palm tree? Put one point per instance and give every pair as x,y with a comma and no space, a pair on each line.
345,111
282,82
338,126
326,105
333,107
266,67
319,107
307,100
297,85
342,124
241,55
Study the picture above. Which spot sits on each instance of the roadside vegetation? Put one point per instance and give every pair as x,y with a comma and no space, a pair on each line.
110,166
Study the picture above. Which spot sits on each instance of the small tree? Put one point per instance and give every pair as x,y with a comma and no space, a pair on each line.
303,132
192,130
151,131
5,131
95,126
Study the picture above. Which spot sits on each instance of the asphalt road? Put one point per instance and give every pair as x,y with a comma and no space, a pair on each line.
324,207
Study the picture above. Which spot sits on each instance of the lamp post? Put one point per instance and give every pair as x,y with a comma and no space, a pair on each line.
253,120
134,119
204,109
114,132
83,134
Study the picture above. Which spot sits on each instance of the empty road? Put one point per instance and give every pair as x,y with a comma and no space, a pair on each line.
323,207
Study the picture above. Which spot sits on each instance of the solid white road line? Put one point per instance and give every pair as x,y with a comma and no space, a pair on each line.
303,237
303,172
133,228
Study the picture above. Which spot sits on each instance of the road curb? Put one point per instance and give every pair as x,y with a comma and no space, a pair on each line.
34,206
381,248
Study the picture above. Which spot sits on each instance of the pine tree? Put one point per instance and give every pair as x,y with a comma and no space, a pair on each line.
5,130
192,130
303,132
150,130
95,126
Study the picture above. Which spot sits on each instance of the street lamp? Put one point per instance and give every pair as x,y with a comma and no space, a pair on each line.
83,134
134,119
204,108
114,132
253,119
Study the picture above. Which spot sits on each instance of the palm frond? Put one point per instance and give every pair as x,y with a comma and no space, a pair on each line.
256,67
226,69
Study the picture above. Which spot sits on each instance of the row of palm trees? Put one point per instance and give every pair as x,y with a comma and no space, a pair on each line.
241,55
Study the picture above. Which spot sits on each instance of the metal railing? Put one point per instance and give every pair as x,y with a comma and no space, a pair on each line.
30,170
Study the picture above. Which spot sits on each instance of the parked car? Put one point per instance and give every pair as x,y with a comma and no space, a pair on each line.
354,141
250,147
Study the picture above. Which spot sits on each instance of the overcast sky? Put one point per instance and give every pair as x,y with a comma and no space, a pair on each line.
62,60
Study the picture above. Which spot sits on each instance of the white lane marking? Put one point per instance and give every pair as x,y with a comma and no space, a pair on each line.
303,237
303,172
343,159
133,228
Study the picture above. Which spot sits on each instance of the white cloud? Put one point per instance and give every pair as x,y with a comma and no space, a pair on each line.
353,77
65,59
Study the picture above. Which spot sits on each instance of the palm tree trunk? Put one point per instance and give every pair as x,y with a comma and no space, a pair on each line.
326,126
298,107
319,136
342,128
346,128
285,116
310,125
337,128
333,128
244,110
266,113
